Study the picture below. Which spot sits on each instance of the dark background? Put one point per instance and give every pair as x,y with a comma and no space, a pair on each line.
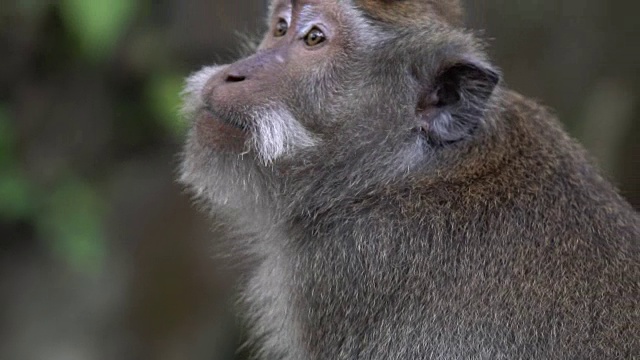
102,255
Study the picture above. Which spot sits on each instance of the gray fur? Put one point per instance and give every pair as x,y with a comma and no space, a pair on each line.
485,234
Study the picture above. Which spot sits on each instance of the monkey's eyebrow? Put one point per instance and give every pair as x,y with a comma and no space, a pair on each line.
280,6
306,15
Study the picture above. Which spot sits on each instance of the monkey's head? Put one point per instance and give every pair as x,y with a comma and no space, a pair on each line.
338,79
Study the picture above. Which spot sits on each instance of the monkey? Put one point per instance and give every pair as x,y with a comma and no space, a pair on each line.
399,201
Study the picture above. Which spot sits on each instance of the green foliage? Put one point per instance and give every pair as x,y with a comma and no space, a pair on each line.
71,216
97,24
72,219
163,96
7,139
16,202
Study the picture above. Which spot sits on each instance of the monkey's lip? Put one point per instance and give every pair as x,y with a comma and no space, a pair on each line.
223,135
210,115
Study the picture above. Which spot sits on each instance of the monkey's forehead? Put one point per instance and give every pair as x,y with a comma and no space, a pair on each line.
405,12
400,12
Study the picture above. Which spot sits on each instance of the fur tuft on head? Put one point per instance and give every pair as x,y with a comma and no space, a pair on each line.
406,12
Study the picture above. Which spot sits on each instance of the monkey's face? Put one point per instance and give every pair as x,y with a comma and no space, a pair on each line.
330,77
270,104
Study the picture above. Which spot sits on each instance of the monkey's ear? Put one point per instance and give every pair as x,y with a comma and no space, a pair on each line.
454,106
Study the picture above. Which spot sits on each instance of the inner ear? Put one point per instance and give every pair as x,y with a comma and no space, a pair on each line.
455,103
463,79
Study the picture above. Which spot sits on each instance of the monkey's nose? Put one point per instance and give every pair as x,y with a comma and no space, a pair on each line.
232,78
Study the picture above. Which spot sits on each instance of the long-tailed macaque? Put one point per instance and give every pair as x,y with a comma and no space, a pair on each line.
401,202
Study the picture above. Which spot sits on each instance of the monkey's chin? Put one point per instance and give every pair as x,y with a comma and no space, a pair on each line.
219,135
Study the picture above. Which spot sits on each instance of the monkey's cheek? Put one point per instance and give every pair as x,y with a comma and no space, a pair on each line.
218,135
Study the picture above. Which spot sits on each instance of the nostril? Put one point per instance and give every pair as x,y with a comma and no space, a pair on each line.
235,78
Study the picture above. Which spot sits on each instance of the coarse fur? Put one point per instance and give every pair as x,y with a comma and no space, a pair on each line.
401,203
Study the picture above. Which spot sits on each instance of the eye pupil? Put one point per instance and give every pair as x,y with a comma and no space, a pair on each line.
281,28
314,37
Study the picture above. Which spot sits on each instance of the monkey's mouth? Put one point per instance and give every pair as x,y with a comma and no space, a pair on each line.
215,116
219,133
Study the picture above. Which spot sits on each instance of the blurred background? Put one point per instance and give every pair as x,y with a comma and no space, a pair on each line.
101,254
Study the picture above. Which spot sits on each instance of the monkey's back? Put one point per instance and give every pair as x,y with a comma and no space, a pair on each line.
532,256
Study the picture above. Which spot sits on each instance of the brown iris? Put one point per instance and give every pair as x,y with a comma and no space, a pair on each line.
314,37
281,28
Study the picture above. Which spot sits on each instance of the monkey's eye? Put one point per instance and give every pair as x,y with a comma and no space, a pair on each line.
314,37
281,28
